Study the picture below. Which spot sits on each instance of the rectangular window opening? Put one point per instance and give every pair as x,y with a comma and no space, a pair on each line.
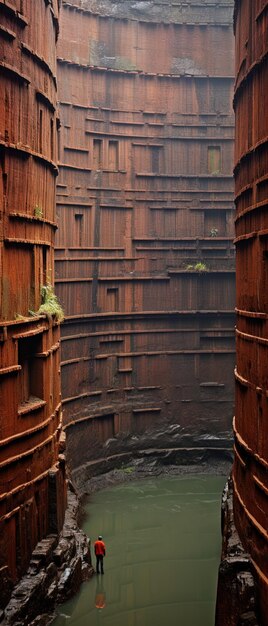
3,173
52,139
59,144
97,153
30,379
112,299
7,116
155,156
113,156
44,266
79,227
40,131
214,159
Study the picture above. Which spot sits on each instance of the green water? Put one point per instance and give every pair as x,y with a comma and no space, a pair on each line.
163,546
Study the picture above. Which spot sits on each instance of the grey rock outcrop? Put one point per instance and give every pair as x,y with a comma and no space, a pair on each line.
58,567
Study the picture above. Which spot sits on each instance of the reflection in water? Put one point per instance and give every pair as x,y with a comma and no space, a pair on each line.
100,598
163,546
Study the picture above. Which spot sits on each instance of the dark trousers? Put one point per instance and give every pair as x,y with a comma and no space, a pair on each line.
99,563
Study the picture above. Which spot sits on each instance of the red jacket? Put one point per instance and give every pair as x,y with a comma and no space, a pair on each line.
99,547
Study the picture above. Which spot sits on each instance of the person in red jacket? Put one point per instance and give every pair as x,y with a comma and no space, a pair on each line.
100,551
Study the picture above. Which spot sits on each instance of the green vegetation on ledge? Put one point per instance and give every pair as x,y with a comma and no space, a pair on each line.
198,267
50,305
38,211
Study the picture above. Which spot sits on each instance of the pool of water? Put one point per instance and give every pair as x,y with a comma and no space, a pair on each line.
163,548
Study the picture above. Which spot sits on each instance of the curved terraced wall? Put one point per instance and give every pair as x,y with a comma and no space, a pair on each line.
144,253
251,165
32,476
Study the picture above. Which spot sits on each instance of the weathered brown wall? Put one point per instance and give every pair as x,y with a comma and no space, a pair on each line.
30,399
145,190
251,175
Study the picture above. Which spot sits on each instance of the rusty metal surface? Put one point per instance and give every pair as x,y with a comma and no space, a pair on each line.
145,193
30,399
251,176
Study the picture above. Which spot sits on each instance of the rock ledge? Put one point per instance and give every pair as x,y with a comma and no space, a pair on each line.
58,566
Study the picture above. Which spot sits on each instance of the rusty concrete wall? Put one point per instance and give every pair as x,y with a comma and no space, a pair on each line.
30,399
145,195
251,176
